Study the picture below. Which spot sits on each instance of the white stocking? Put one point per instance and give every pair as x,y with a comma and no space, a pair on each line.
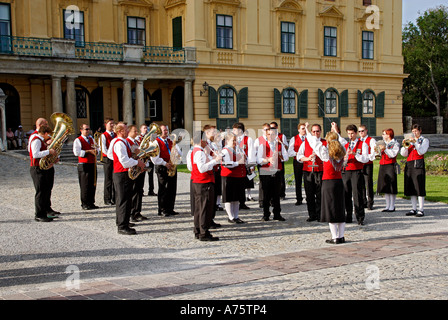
341,227
235,209
393,197
414,202
421,203
334,230
228,206
386,196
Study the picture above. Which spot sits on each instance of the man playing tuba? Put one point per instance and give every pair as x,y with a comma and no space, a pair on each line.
166,196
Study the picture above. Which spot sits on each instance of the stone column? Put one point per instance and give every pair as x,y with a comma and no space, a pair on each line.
139,102
71,105
408,120
56,94
127,102
188,106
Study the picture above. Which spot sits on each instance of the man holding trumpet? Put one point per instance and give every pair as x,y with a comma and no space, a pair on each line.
84,148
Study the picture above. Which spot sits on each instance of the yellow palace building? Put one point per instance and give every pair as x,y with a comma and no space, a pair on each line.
187,63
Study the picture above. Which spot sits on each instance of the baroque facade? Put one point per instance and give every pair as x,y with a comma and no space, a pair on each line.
187,63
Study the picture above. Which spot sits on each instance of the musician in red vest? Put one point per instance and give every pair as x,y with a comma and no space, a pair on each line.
108,165
357,155
139,182
150,170
270,157
261,138
414,172
42,179
312,174
233,175
282,138
39,123
293,149
166,195
332,206
202,184
84,148
367,170
120,152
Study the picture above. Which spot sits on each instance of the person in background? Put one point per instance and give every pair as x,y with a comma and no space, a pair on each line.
293,148
367,170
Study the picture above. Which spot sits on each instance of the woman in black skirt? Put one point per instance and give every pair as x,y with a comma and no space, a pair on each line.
414,172
233,178
332,200
387,176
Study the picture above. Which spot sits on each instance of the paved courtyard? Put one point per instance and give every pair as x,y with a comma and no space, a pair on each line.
81,255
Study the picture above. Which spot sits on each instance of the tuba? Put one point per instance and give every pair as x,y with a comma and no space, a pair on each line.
148,149
98,144
63,127
174,156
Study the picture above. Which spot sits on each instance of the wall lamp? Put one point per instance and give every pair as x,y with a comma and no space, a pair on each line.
205,86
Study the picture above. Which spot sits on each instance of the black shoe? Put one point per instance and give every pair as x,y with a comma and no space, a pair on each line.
244,207
152,194
127,231
265,219
361,222
109,203
43,219
214,225
231,220
219,208
311,219
334,241
131,224
370,206
53,213
84,207
411,213
93,207
209,238
341,240
238,220
279,218
298,203
420,213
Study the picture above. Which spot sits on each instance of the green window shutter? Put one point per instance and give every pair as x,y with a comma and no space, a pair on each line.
177,32
327,125
243,108
277,104
359,109
370,123
212,103
343,106
303,105
289,127
321,103
379,105
227,123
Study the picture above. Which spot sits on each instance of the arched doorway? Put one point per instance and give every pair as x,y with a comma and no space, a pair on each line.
177,108
96,109
12,106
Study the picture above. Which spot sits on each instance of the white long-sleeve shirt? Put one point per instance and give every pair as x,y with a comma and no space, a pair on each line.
227,161
121,151
421,145
392,148
77,147
301,151
35,148
204,162
103,142
372,145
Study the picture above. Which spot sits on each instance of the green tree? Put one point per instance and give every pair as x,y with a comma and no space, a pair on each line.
425,51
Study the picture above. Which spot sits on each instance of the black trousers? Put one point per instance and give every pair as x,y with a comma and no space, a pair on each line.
313,188
109,191
137,194
123,198
203,206
150,177
271,193
298,174
166,195
86,177
353,181
368,192
43,181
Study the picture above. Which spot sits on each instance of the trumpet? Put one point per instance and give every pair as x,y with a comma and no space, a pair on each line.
408,140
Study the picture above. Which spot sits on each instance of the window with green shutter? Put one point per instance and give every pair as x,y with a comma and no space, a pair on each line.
177,33
380,104
303,104
243,107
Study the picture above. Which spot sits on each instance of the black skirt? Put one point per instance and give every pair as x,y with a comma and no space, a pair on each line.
332,202
387,179
415,179
232,188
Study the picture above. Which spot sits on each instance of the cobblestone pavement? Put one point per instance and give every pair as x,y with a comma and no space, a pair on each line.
391,257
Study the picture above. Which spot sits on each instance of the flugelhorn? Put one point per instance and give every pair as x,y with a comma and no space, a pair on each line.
63,127
380,145
408,140
148,149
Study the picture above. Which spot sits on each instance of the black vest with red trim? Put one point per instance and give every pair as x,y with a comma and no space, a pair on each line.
236,172
352,163
196,176
164,152
118,167
308,152
108,141
43,147
89,158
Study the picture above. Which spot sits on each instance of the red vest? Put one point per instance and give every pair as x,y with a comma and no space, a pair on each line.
117,164
352,163
196,176
43,147
89,158
413,154
164,152
297,143
236,172
318,161
386,160
330,173
244,145
270,152
108,140
370,149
